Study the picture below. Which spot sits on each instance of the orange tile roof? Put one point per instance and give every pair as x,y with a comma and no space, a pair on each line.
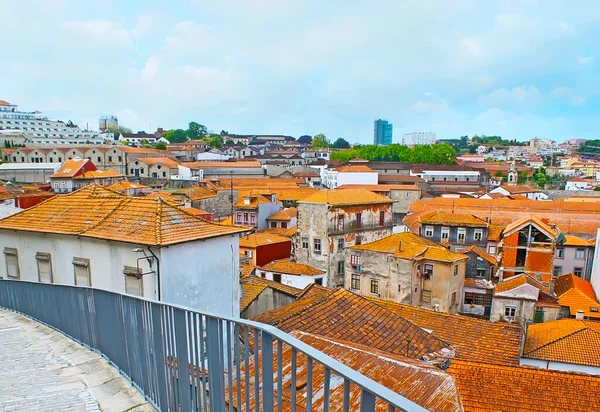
252,286
290,195
292,268
285,214
198,193
381,188
519,189
571,217
551,230
494,232
564,340
496,388
452,219
97,212
415,380
125,185
98,174
254,201
164,161
70,168
474,339
516,281
354,169
346,197
196,212
261,238
246,270
343,315
481,253
577,294
141,150
4,103
571,240
410,246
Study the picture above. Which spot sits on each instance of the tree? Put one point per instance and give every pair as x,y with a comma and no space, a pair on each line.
176,136
320,141
224,133
498,173
70,124
305,139
119,130
214,140
145,142
195,130
160,146
229,141
341,143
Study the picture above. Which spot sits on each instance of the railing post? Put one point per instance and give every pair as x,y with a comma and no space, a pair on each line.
267,372
215,365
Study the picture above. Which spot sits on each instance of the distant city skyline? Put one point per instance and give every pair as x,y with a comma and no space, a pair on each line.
508,68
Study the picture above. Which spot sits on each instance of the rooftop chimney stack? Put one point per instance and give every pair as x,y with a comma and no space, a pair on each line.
579,315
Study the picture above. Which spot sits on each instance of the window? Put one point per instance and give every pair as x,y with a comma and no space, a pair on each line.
478,234
510,311
277,277
133,281
428,271
428,231
44,264
239,217
284,225
355,282
252,218
317,244
82,272
481,273
99,159
12,263
580,254
358,220
578,272
164,174
560,253
461,233
340,244
426,296
455,270
246,217
557,271
341,222
445,233
304,243
341,267
358,239
355,260
453,299
319,281
375,286
273,224
491,250
381,218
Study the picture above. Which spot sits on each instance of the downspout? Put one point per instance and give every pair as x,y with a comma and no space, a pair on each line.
158,281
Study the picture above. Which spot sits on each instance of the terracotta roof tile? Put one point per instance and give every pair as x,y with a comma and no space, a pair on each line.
571,240
100,213
285,214
70,168
261,238
518,280
355,169
252,286
452,219
346,197
292,268
481,253
344,315
474,339
483,388
98,174
252,203
382,188
551,230
415,380
564,340
125,185
577,294
164,161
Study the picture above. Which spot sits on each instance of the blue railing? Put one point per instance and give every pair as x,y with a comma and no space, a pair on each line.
183,360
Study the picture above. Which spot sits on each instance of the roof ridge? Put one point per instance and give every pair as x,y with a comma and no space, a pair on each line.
302,309
158,220
558,339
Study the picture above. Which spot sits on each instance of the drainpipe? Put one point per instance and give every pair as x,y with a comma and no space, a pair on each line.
159,284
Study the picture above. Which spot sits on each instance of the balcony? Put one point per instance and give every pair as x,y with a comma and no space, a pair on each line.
183,360
355,226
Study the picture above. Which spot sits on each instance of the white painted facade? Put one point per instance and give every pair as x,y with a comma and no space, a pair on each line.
432,175
595,277
531,195
202,275
297,281
332,178
185,173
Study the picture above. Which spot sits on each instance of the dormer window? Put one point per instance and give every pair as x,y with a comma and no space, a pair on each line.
247,201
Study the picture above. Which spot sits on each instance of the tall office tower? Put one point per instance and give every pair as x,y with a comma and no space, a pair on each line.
382,134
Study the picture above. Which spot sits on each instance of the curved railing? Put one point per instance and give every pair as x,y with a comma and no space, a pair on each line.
184,360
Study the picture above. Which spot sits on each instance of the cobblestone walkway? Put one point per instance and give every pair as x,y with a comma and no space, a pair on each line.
42,370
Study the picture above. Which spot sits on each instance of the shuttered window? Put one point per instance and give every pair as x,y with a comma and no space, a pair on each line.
82,272
12,263
44,264
133,281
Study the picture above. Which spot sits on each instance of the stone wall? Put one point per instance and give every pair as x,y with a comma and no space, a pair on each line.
220,205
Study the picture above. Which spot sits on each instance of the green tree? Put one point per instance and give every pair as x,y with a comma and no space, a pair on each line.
305,139
320,141
145,142
160,146
70,124
195,130
229,141
214,140
498,173
224,133
176,136
341,143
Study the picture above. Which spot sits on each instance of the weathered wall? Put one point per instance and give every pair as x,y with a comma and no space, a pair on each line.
476,262
269,299
442,285
220,205
524,311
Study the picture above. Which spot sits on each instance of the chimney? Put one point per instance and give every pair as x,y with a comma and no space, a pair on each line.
545,220
400,246
579,315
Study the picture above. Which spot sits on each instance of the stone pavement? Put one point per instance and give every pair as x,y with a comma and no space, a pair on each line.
43,370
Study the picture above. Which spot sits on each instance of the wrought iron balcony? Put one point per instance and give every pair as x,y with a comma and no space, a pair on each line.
356,226
184,360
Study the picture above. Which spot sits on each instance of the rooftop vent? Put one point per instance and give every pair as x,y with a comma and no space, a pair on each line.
579,315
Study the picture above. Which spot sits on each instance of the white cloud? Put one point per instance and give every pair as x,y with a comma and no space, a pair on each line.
561,92
585,60
143,26
522,96
101,31
151,68
578,100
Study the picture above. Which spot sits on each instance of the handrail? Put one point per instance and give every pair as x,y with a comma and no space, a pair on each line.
139,336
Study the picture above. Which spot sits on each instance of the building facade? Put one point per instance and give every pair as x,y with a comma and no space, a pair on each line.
382,133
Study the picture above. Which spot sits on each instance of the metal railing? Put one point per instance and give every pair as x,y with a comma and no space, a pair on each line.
354,226
184,360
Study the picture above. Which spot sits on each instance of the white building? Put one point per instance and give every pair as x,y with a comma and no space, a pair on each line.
298,275
140,246
38,126
579,183
523,190
349,175
415,138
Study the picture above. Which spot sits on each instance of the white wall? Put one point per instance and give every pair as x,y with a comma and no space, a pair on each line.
203,275
297,281
595,278
107,259
560,366
357,178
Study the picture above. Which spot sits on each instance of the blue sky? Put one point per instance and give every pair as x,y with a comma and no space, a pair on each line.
518,68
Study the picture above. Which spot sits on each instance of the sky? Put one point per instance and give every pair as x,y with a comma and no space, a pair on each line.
515,68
